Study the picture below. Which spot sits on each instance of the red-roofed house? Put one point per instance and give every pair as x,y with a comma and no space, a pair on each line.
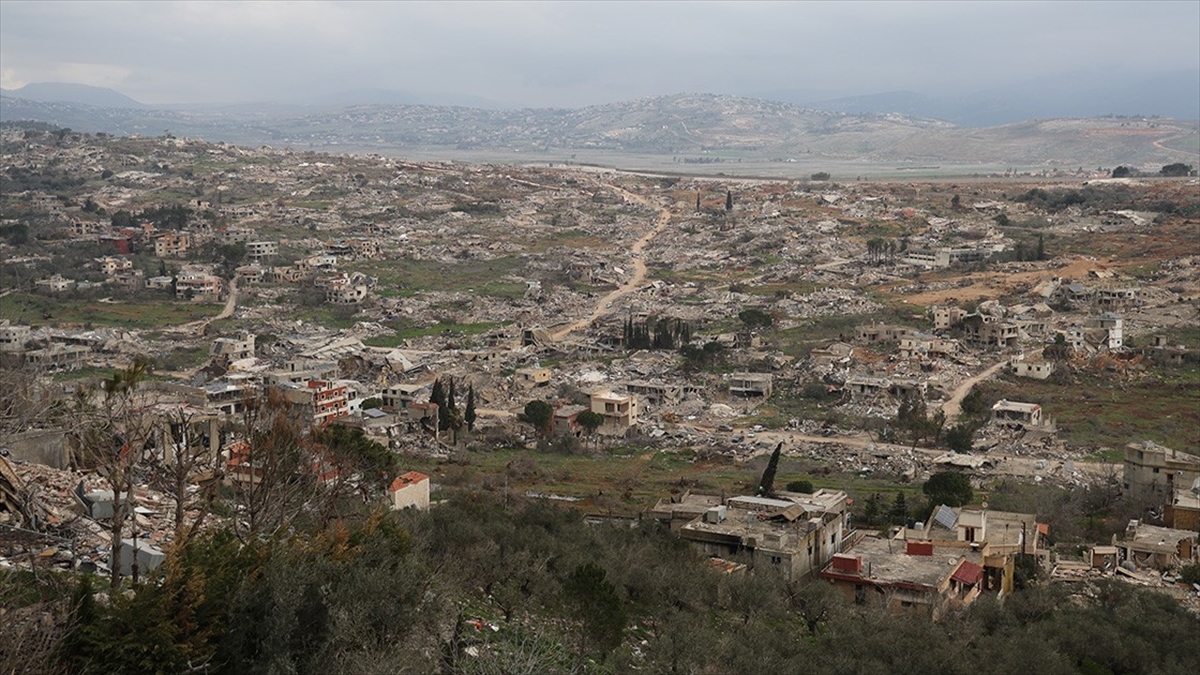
410,490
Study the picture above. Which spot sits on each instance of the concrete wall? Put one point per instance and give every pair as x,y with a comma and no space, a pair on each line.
40,447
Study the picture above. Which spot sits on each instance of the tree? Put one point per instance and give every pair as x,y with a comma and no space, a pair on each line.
1178,169
176,467
112,437
766,484
820,175
753,317
729,200
949,488
899,511
697,200
1041,248
1122,172
590,421
959,436
372,403
539,413
594,603
470,415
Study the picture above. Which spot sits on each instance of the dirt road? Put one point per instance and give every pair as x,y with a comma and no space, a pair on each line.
604,304
953,406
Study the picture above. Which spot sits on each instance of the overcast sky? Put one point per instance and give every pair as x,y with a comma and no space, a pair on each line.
577,53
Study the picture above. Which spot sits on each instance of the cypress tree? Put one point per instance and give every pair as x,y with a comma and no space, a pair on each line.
469,416
767,484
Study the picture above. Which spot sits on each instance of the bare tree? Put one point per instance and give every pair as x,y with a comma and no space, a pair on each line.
185,455
271,468
112,436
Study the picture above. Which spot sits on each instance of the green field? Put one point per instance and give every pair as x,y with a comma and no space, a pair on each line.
407,278
38,310
631,479
1110,410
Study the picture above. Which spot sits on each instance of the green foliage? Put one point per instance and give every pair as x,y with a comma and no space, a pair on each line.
820,175
539,414
590,421
351,450
1177,169
593,601
766,484
1190,574
802,486
1122,172
913,420
959,438
372,403
754,317
698,358
949,488
471,414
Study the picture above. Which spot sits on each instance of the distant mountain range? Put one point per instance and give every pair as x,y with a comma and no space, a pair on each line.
1168,94
686,126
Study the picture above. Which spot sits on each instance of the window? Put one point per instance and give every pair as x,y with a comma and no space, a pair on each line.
906,604
775,560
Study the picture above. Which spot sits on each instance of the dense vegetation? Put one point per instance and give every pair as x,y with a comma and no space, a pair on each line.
474,587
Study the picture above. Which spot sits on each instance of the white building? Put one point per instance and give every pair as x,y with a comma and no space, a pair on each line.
410,490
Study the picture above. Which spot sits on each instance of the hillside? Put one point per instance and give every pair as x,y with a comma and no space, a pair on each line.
689,125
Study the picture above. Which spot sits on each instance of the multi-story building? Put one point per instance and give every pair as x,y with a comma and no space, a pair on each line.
620,412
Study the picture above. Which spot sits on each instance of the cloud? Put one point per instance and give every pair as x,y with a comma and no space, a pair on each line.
571,53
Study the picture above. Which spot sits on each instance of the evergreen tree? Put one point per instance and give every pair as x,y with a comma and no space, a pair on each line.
899,512
470,415
729,200
697,200
767,484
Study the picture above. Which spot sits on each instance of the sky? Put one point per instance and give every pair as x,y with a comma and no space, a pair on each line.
572,54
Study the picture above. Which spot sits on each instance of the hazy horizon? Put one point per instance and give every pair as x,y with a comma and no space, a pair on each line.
529,54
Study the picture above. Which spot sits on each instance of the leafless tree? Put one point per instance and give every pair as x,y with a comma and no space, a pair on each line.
271,469
112,434
183,458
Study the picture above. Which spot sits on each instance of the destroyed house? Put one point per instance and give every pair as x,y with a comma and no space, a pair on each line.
1153,472
796,534
1158,548
1017,414
882,333
750,385
1036,369
907,576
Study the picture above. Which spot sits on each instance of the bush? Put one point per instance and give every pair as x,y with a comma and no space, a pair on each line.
802,486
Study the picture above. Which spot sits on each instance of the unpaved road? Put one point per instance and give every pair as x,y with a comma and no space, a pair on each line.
953,406
604,304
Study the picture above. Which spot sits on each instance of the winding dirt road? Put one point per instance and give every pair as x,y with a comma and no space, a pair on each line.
953,405
604,304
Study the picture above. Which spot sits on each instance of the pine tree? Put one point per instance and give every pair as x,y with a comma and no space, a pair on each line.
729,200
697,201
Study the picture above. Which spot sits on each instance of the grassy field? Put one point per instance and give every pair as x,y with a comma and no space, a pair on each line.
406,278
631,479
407,331
1103,409
38,310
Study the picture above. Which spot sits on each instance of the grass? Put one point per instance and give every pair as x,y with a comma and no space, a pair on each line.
631,479
407,278
38,310
408,332
1108,410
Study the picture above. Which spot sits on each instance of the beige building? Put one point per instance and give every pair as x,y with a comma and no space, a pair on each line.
750,385
13,336
620,412
794,533
1153,472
